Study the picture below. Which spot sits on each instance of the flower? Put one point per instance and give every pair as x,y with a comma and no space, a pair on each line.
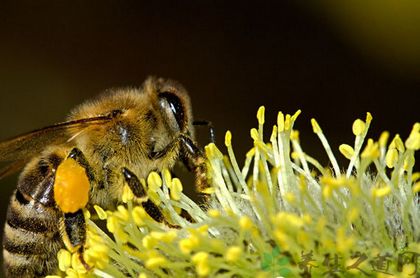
281,214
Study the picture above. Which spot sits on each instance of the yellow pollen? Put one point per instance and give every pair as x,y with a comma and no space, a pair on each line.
245,223
416,187
122,213
186,245
149,242
250,153
285,219
100,212
200,257
297,113
155,262
167,177
71,186
71,273
213,152
391,157
64,259
358,127
214,213
346,150
208,190
254,134
166,237
315,126
139,214
233,253
76,264
112,224
176,189
273,133
282,238
202,269
280,122
368,117
154,196
260,115
203,229
294,135
381,192
409,161
383,139
127,194
287,122
98,251
371,151
307,218
86,214
228,138
397,143
154,181
413,140
415,177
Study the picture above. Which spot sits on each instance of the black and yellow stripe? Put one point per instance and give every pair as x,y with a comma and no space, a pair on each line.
31,240
31,234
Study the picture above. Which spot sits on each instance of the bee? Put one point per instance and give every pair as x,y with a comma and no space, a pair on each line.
116,139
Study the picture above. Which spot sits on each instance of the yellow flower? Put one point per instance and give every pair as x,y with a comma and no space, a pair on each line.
233,253
262,215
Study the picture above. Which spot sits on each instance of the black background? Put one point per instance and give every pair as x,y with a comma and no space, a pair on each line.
232,57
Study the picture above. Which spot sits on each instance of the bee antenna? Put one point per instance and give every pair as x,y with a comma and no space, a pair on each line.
208,124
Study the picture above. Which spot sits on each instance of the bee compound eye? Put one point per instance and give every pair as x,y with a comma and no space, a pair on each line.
175,106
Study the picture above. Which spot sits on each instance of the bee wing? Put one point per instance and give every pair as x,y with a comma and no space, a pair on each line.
23,147
12,168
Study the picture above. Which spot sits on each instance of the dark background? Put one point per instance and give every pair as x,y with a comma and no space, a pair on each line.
335,62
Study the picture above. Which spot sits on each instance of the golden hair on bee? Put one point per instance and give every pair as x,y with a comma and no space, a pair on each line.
108,142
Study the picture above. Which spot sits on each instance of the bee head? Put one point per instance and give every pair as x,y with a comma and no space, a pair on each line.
143,120
172,103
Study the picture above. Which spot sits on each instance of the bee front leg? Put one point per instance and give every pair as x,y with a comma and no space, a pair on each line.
134,183
194,159
137,188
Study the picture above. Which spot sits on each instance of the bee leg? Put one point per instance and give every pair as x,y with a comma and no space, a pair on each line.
208,124
77,155
73,228
151,208
134,183
194,159
74,233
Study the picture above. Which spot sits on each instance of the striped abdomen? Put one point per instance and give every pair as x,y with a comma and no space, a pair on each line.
31,234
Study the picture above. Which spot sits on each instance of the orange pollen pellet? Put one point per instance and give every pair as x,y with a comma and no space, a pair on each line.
71,186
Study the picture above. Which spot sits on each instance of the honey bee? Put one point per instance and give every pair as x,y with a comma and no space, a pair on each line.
114,140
